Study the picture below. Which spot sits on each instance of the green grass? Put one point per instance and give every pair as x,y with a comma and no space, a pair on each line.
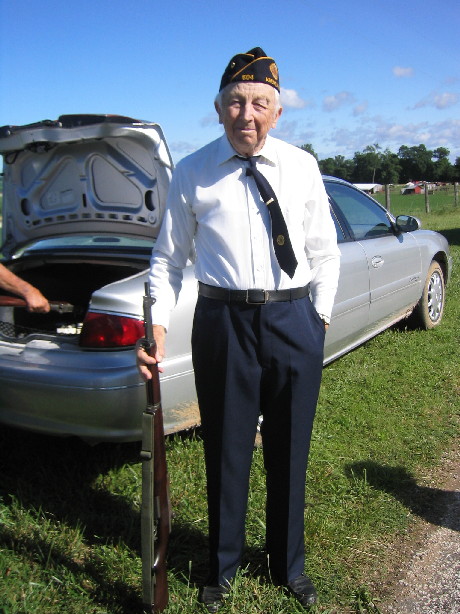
69,513
414,204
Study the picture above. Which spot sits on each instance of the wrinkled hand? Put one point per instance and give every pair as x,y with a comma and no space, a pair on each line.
143,360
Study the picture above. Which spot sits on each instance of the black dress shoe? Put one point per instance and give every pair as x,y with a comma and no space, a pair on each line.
212,597
303,589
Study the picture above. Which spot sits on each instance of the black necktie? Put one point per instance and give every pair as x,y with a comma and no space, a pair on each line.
281,241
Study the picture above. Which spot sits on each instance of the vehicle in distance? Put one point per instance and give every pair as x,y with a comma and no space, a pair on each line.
83,201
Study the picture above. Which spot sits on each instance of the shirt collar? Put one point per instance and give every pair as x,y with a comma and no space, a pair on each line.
227,152
268,151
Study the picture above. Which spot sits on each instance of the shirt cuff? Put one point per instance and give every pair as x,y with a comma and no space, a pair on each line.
160,317
325,319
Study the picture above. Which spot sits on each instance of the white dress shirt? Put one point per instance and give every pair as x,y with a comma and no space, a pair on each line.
213,206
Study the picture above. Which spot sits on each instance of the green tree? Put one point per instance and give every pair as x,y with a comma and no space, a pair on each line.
389,168
443,169
372,165
416,163
440,153
366,164
309,147
338,167
456,173
327,166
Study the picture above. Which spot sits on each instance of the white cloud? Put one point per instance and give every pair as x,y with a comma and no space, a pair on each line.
393,135
287,131
400,71
291,99
332,103
330,139
345,141
360,109
447,99
442,100
179,149
447,134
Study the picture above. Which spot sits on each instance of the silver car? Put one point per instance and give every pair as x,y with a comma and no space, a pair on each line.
83,201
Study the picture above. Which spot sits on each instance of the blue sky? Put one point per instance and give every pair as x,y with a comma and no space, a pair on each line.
352,73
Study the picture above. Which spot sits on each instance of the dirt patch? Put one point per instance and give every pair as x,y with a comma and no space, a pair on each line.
422,567
183,417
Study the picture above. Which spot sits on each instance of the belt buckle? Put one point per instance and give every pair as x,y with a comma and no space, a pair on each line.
264,297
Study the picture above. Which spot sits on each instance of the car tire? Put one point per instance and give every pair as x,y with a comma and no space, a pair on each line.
430,308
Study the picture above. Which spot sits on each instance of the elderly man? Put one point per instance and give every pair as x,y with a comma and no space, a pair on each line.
267,264
34,298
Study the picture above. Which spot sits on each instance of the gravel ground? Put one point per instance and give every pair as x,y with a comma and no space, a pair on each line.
429,581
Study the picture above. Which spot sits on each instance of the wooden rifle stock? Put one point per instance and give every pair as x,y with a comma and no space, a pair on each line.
155,508
12,301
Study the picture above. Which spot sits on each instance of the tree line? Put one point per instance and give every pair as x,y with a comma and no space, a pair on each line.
374,165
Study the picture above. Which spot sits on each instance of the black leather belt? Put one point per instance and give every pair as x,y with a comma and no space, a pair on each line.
252,296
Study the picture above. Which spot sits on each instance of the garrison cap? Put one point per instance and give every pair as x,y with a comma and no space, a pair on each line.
254,66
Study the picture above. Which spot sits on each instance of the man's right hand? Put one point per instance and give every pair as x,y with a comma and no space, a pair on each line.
35,300
143,359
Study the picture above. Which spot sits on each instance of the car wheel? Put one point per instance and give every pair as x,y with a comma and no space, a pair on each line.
429,309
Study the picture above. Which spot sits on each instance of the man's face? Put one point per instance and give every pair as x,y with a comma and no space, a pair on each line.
248,113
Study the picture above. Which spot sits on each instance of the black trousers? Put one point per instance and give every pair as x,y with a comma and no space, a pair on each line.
251,360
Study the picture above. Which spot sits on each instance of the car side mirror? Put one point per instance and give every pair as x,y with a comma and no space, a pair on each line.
407,223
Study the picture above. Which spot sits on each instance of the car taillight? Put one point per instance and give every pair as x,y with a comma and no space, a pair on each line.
103,330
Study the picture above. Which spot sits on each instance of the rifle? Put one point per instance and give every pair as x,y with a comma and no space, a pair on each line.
59,306
155,507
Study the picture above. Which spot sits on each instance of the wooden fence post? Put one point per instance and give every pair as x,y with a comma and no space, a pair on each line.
456,194
427,199
387,197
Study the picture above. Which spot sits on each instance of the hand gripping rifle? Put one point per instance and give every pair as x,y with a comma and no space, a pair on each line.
59,306
155,508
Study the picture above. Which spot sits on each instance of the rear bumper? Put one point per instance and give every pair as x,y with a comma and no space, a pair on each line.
96,396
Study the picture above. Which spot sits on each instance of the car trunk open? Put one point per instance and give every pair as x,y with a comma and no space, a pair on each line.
83,200
70,280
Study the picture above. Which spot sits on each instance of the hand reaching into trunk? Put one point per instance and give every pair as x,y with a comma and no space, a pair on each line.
35,300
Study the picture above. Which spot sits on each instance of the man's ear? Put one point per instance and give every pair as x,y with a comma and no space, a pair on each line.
219,113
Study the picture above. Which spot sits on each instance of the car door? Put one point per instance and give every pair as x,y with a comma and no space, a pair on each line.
393,258
395,276
350,314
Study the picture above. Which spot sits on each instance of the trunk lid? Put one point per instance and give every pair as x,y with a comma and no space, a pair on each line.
83,174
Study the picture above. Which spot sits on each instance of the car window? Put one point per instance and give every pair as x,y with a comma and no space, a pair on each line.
364,216
338,228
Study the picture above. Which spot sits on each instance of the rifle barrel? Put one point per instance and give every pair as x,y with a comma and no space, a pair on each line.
156,515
